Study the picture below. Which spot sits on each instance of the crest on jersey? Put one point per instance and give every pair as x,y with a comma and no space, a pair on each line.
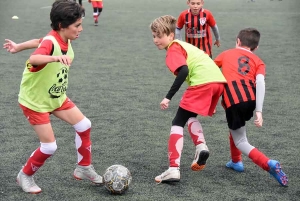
202,20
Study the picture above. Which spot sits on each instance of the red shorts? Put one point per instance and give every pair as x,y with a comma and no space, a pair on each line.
97,4
202,99
38,118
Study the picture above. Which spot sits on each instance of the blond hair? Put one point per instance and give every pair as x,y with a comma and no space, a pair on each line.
163,25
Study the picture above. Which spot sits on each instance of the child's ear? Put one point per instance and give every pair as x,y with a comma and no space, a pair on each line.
172,35
238,42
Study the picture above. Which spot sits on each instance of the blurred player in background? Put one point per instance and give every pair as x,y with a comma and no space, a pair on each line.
97,9
244,94
205,86
197,22
43,92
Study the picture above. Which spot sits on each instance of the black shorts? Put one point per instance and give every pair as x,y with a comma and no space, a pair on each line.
238,114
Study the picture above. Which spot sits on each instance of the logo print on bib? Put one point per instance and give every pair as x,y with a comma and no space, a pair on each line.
60,87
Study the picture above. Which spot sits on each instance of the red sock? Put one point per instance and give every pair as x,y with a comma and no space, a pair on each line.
259,159
236,154
175,146
95,17
84,150
36,160
195,130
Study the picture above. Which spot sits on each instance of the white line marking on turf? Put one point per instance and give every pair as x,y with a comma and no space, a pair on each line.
47,7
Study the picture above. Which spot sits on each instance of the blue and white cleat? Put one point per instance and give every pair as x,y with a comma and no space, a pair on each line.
275,171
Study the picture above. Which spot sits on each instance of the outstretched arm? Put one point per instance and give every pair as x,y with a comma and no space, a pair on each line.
13,47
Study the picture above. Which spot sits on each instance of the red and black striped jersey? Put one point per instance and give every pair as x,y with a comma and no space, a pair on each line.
240,68
197,28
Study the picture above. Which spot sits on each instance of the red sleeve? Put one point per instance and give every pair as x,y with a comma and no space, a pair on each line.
219,60
176,57
261,68
211,20
180,21
45,48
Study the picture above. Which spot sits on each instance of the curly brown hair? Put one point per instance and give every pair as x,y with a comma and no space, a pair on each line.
64,13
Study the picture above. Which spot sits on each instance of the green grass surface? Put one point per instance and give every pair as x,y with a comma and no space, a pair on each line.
118,79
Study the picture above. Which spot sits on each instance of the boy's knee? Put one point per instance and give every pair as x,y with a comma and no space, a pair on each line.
87,122
48,148
83,125
192,119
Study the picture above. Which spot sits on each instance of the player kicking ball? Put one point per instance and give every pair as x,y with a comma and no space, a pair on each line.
205,86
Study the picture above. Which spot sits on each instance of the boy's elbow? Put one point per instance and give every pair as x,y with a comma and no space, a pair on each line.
31,60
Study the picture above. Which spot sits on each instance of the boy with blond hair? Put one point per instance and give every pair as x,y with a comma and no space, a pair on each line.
205,86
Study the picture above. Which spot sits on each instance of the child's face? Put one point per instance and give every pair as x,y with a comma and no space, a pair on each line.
195,6
72,32
163,41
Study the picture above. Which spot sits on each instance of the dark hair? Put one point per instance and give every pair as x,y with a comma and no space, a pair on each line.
64,13
249,37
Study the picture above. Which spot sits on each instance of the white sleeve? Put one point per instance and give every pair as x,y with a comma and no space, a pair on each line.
260,92
178,34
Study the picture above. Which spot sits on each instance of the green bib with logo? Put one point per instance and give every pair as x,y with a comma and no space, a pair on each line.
45,90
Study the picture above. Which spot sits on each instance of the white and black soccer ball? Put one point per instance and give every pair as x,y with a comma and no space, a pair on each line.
117,179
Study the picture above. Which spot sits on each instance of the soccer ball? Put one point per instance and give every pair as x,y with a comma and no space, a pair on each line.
117,179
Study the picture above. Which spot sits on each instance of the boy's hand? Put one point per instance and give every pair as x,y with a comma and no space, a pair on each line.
258,120
90,1
164,104
10,46
63,59
217,43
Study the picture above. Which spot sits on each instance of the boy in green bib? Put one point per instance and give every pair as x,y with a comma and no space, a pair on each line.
205,86
43,92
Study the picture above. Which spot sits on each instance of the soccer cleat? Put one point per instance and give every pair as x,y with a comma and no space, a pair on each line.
238,166
87,172
96,22
275,171
27,183
201,155
170,175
